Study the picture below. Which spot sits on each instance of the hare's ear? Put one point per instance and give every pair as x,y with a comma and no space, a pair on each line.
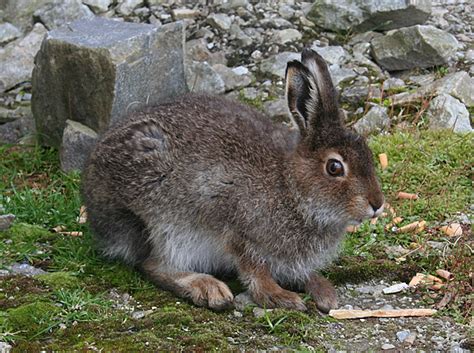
311,94
298,89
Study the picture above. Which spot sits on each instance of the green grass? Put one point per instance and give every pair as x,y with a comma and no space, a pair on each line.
70,307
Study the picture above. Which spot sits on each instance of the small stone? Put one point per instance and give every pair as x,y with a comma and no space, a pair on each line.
392,83
17,58
447,112
340,74
77,143
403,335
219,21
57,13
333,54
231,79
259,312
25,270
411,338
286,36
6,221
256,55
240,70
5,347
201,77
98,6
376,120
237,314
387,346
8,32
137,315
242,300
180,14
277,109
127,6
17,131
276,65
396,288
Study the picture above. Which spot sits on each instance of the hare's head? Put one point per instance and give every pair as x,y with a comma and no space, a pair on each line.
333,166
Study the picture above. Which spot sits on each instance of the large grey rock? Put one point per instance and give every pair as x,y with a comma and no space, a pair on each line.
219,21
364,15
458,84
8,32
276,65
446,112
14,131
78,141
127,6
201,77
333,54
59,12
376,120
413,47
95,72
17,58
340,74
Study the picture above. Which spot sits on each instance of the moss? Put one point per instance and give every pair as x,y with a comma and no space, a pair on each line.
59,280
27,232
172,316
32,319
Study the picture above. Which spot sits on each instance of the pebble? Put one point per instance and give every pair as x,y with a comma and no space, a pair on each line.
396,288
259,312
6,221
403,335
387,346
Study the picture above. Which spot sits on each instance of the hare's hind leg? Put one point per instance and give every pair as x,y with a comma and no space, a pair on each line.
120,234
202,289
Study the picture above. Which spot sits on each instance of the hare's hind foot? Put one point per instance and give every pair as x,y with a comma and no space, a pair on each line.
322,292
202,289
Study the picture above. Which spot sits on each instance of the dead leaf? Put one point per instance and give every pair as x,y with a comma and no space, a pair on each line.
444,274
452,230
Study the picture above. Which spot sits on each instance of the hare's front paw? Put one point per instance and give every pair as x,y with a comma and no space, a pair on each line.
205,290
322,292
280,298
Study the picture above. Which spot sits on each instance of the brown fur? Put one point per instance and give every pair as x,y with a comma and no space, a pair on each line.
205,185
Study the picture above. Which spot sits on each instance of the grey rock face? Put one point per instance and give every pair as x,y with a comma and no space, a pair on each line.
78,141
127,6
25,270
6,221
17,58
446,112
8,32
20,12
376,120
277,110
417,46
22,111
95,72
458,84
364,15
276,65
201,77
59,12
333,54
341,74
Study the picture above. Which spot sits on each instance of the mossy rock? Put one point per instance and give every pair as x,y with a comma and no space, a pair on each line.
59,280
32,319
27,232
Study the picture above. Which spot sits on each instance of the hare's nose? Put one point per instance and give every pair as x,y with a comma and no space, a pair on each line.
377,208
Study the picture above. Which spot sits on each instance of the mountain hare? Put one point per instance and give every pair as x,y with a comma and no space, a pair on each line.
206,186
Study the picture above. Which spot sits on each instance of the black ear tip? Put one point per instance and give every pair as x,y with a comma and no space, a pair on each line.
310,54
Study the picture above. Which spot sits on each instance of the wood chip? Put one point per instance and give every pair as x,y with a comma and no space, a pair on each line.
452,230
421,278
59,229
373,221
383,160
388,207
412,227
394,221
352,229
72,234
444,274
407,196
437,286
82,215
448,296
359,314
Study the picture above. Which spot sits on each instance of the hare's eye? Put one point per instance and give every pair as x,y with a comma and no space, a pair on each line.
334,168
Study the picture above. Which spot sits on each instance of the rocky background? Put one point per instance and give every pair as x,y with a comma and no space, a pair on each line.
402,63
